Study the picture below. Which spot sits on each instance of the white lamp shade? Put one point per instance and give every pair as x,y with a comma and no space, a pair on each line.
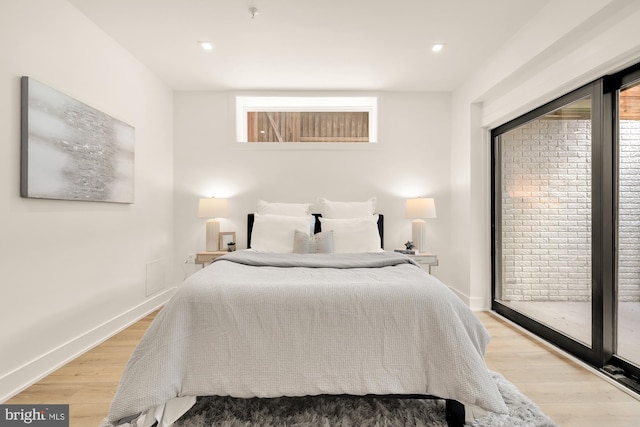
212,208
420,208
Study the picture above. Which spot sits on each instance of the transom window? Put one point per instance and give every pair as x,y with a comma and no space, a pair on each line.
306,119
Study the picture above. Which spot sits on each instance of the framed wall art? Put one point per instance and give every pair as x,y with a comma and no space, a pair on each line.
71,151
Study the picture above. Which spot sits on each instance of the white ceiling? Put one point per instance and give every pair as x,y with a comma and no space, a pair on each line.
311,44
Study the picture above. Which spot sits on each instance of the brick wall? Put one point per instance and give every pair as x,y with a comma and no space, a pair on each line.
546,212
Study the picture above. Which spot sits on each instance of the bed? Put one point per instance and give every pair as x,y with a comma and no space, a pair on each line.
271,324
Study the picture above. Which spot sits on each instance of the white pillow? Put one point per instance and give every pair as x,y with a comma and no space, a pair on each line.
275,233
353,235
321,243
289,209
331,209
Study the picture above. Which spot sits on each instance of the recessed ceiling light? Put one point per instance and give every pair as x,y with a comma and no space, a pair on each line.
437,47
205,45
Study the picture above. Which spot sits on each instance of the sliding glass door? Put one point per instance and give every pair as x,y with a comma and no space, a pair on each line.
566,223
628,260
546,219
543,219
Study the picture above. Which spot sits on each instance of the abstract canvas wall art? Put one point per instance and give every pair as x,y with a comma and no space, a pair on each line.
71,151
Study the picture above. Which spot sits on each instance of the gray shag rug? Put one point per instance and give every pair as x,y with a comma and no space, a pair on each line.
353,412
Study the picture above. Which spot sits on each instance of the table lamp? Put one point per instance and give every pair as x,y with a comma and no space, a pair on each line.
418,209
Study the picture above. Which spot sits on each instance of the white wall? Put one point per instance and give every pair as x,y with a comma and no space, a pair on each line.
72,273
410,159
566,45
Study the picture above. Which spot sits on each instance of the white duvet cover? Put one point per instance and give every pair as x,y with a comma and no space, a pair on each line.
260,325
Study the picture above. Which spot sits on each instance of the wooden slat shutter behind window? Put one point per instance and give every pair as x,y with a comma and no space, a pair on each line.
308,126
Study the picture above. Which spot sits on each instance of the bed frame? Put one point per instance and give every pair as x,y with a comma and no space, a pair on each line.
454,410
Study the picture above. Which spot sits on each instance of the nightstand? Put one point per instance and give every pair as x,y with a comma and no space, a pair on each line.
425,259
208,257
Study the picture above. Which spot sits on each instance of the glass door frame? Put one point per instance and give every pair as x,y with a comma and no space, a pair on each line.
602,187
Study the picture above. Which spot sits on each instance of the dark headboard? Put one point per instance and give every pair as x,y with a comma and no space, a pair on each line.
317,227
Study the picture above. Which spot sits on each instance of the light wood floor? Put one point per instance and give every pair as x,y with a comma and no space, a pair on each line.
571,395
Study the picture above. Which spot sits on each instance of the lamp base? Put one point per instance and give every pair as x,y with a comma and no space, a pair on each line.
417,234
213,231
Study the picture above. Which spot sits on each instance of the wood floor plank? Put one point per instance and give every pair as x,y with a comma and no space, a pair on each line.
570,394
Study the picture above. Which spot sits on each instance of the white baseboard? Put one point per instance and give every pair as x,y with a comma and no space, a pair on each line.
475,303
31,372
478,304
